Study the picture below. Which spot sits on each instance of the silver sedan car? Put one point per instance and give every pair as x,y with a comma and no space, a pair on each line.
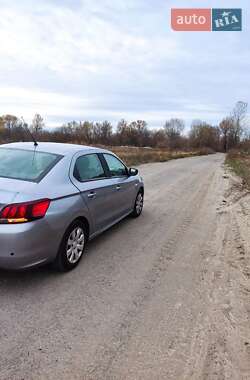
56,197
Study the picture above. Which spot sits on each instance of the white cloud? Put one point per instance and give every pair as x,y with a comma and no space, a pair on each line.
23,102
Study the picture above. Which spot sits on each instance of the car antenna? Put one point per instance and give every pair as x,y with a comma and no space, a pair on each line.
27,130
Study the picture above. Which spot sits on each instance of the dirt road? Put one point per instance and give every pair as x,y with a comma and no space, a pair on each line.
166,296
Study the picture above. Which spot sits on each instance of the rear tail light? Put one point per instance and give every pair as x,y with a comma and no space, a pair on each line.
24,212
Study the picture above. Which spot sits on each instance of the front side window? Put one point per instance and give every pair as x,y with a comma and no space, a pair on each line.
88,167
26,165
116,167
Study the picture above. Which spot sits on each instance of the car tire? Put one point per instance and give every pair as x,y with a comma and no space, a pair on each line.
138,206
72,247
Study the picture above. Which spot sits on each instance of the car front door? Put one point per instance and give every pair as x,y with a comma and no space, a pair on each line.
126,186
90,176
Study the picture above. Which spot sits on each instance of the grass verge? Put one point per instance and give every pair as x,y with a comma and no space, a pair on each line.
239,162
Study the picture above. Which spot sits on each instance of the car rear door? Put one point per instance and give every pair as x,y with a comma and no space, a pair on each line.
90,176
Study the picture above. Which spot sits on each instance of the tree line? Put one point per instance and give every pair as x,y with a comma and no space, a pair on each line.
231,131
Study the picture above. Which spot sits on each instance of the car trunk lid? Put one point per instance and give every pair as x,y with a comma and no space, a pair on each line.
11,189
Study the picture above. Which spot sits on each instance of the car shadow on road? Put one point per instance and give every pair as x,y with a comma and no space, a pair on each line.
36,276
33,275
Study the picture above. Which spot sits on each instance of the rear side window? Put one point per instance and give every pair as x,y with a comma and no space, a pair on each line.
116,167
26,165
88,168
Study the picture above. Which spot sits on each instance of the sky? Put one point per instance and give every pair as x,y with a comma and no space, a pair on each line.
112,59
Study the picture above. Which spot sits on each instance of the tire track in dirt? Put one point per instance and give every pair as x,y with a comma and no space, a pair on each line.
124,331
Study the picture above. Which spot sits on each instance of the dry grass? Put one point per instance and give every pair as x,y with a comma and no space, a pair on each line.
135,156
240,164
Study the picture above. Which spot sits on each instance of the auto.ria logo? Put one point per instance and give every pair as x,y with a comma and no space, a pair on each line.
206,19
226,20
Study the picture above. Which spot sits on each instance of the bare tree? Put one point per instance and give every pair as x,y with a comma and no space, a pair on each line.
85,132
173,129
226,127
8,126
9,121
158,138
103,132
142,133
2,125
37,124
238,116
204,135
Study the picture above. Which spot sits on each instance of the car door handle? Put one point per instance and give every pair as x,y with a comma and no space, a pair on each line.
91,195
118,187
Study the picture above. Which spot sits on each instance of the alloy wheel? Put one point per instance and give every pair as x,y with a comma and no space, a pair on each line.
139,203
75,245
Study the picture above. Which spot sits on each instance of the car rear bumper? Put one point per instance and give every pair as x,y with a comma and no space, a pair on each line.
28,244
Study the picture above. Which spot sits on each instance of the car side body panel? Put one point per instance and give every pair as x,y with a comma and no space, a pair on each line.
29,244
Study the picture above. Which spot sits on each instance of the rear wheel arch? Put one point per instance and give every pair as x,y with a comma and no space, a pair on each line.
84,221
62,261
80,218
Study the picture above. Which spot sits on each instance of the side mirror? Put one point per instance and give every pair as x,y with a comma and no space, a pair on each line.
132,171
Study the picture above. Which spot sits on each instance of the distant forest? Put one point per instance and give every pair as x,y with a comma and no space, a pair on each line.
232,131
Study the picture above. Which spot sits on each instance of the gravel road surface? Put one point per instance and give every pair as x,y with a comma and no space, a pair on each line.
165,296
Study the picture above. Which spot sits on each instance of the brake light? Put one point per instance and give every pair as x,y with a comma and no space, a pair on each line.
24,212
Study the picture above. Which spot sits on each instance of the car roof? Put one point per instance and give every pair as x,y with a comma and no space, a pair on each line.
50,147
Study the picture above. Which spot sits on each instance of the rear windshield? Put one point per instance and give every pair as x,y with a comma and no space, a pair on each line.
26,165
